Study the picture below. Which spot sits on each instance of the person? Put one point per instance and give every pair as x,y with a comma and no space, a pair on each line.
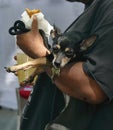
89,84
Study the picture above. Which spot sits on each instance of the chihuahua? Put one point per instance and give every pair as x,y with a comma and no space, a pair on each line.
62,53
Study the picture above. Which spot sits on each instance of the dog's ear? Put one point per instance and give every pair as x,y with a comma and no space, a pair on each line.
56,32
87,42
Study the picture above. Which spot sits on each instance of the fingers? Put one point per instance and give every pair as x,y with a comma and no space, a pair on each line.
34,24
48,52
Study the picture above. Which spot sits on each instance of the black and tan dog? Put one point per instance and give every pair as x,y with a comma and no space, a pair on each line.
62,52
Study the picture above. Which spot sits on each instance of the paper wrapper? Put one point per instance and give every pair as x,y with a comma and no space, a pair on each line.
42,22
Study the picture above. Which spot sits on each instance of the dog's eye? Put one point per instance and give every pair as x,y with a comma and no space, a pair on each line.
69,52
56,48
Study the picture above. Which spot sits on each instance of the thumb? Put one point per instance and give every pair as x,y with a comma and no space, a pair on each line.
34,24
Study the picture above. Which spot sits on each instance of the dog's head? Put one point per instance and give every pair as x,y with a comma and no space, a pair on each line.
64,51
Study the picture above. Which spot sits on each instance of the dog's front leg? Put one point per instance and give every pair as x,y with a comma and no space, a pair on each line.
30,64
30,79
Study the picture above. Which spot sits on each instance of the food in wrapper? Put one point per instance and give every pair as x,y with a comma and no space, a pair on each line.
43,24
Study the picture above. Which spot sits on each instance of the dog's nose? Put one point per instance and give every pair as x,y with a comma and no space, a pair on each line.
57,64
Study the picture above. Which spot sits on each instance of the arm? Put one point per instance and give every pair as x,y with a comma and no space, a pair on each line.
32,43
76,83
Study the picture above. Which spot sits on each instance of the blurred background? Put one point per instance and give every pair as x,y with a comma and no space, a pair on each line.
58,12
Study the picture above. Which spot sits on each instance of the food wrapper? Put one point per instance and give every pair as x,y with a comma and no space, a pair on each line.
43,24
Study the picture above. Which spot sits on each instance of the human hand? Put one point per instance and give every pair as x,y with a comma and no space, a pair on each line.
32,42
